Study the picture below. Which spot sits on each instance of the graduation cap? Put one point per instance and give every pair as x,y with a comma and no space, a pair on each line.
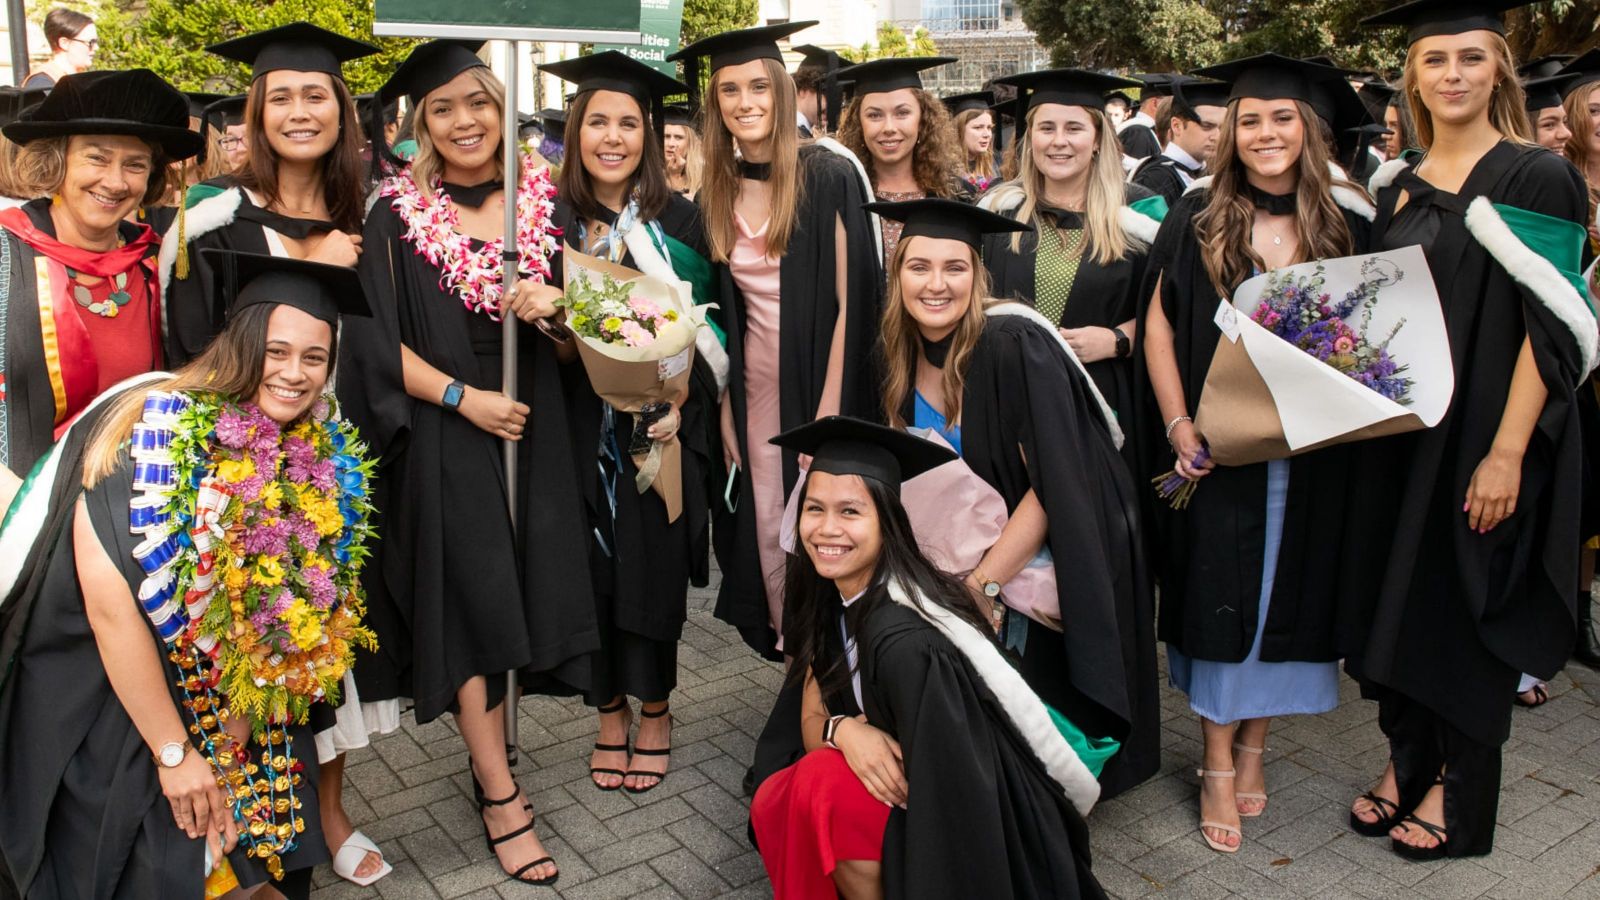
1155,84
614,70
1119,95
1069,87
226,111
1377,94
820,58
1582,72
678,114
937,217
828,62
1544,66
1191,93
134,102
1431,18
960,103
841,445
1543,93
318,289
430,66
15,101
732,48
553,121
1272,76
297,47
199,101
879,76
368,105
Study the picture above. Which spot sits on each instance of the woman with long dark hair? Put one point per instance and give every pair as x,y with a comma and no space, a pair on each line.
614,203
1482,560
302,190
904,688
1248,588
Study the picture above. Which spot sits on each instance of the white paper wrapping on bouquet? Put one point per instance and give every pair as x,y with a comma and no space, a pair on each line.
956,517
1267,399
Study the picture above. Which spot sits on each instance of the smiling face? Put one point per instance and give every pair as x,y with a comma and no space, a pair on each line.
936,276
746,98
300,116
839,528
105,181
1592,127
1268,136
298,358
463,122
1062,141
1456,75
611,140
1550,129
978,134
889,125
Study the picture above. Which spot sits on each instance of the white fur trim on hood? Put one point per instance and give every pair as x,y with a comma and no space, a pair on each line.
208,215
1021,705
1137,224
1013,308
1386,174
1007,197
1538,275
652,263
1343,196
833,146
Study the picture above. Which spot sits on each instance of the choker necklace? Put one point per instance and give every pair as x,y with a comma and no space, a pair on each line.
755,171
1274,204
935,352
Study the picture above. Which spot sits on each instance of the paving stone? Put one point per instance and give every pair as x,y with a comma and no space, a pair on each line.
689,876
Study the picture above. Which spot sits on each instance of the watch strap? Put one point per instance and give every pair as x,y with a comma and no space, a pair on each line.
454,393
829,728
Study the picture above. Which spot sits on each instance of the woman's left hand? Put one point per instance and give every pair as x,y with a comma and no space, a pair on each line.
666,427
1492,492
533,300
1091,343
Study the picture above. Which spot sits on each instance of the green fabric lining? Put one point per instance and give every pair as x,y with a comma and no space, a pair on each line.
1557,240
1152,207
1095,752
199,192
695,269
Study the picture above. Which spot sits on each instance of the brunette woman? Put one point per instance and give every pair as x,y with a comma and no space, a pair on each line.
72,40
901,133
302,191
615,204
972,123
905,689
1482,563
1006,390
1083,267
81,308
1248,587
780,221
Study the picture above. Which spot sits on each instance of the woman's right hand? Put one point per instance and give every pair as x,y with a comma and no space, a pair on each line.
199,806
1187,444
495,413
875,758
730,436
338,249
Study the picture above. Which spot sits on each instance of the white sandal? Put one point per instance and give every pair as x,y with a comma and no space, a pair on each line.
1217,845
352,853
1252,795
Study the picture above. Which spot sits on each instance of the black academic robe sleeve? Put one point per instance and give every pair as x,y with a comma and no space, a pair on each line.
1139,142
1159,178
983,818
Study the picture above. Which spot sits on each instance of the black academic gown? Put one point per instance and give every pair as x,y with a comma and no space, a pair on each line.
84,811
641,564
1458,615
810,309
454,590
1160,174
1139,141
194,307
1211,554
1023,392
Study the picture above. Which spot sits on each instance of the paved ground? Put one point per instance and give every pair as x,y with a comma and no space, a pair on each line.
410,792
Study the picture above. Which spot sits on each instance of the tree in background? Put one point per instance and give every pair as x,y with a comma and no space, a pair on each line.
703,18
892,42
169,37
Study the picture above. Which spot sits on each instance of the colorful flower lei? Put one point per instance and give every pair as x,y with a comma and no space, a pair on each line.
475,275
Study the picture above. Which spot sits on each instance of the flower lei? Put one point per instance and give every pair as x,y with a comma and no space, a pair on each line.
271,522
475,275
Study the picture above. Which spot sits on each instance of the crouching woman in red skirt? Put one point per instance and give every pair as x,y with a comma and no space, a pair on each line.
929,769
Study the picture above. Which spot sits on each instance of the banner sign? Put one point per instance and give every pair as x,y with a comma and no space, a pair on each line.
511,20
660,25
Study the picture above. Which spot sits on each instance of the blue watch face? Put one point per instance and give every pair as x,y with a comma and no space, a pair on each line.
452,395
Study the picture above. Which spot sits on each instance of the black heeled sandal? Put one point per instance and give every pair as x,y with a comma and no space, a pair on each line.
1422,854
1388,816
477,792
496,841
637,751
618,706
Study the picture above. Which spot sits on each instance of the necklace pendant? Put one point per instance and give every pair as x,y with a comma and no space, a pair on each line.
1277,241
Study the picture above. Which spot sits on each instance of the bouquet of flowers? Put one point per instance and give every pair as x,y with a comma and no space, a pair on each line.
1296,370
636,337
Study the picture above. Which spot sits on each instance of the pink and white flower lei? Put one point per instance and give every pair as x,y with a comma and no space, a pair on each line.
475,276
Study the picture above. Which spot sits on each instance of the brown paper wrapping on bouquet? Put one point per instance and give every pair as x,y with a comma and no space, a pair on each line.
629,385
1238,417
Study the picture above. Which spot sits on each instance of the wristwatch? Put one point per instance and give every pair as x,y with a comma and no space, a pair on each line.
991,589
453,395
1124,346
171,754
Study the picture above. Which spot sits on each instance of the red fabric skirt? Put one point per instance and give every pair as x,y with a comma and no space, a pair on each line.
808,817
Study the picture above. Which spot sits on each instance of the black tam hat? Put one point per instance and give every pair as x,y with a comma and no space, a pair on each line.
841,445
134,102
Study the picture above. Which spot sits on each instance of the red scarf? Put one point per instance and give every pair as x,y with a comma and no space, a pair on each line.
99,263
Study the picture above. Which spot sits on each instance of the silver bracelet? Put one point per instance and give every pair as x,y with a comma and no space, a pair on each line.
1174,424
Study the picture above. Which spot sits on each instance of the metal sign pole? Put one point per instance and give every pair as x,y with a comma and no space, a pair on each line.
508,338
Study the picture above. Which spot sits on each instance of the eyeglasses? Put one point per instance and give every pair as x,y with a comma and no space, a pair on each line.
231,142
92,43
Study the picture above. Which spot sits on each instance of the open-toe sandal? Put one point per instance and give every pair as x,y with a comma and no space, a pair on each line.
512,835
1233,830
640,751
618,706
1251,795
1541,696
1388,816
1421,854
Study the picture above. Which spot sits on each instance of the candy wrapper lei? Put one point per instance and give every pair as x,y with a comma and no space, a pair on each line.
475,275
253,538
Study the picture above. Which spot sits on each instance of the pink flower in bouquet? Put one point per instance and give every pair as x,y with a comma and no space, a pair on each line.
1344,344
635,335
644,309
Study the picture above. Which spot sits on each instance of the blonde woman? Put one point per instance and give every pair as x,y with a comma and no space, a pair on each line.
685,159
1582,103
1481,567
1247,605
780,220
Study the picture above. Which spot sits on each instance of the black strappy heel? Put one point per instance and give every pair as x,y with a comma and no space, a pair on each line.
496,841
620,705
477,792
637,751
1388,816
1423,854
